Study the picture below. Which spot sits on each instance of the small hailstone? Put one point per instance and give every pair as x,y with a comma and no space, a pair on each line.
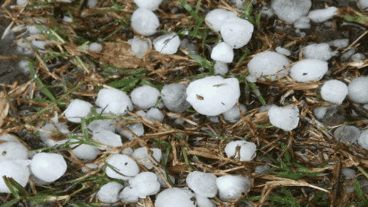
128,195
233,115
144,158
221,68
106,124
348,173
261,169
347,134
358,90
268,63
95,47
320,51
283,51
124,167
319,112
357,57
363,4
321,15
334,91
155,114
231,187
48,167
145,96
23,65
236,32
114,101
363,139
144,21
215,18
13,151
148,4
145,184
77,109
174,97
222,52
213,95
167,44
302,23
33,29
45,134
88,167
202,183
178,197
127,151
286,118
291,10
139,46
340,43
204,201
84,151
309,70
109,192
91,3
16,169
107,138
242,150
136,128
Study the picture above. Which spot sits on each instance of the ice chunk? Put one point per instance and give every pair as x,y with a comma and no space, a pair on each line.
144,21
320,51
268,63
177,197
319,112
334,91
222,52
114,101
148,4
286,118
88,168
213,95
233,115
215,18
77,109
167,44
221,68
302,23
309,70
321,15
124,167
22,2
358,90
231,187
139,46
84,151
109,192
363,139
107,138
95,47
106,124
155,114
291,10
16,169
145,96
145,184
347,134
48,167
202,183
242,150
236,32
144,158
174,97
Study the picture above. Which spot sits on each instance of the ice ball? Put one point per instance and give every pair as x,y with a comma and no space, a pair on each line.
144,21
321,15
243,150
334,91
77,109
114,101
95,47
136,128
320,51
204,201
145,184
233,115
16,169
215,18
145,96
358,90
13,150
128,195
309,70
286,118
231,187
177,197
167,44
124,167
155,114
268,63
222,52
84,151
48,167
174,97
202,183
139,46
109,192
291,10
236,32
148,4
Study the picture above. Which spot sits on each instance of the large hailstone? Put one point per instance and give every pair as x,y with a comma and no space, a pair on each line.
358,90
177,197
202,183
222,52
145,96
215,18
16,169
124,167
231,187
77,109
309,70
268,63
243,150
148,4
114,101
48,167
286,118
236,32
144,21
167,44
334,91
213,95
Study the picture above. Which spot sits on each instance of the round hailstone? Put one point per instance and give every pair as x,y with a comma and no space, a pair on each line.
48,167
145,96
139,46
319,112
144,21
114,101
167,44
77,109
84,151
236,32
128,195
231,187
222,52
148,4
109,192
334,91
213,95
174,97
177,197
286,118
95,47
202,183
363,139
215,18
16,169
309,70
144,158
268,63
291,10
321,15
363,4
242,150
124,167
358,90
233,115
13,150
145,184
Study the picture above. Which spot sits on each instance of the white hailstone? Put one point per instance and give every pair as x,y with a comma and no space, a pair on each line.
77,109
144,21
22,2
177,197
148,4
136,128
283,51
213,95
204,201
48,167
363,139
321,15
231,187
145,184
114,101
39,44
233,115
221,68
363,4
33,29
91,3
236,32
242,150
215,18
358,90
144,158
84,151
88,168
334,91
109,192
16,169
145,97
67,19
339,43
268,63
107,138
128,195
320,51
319,112
155,114
309,70
291,10
302,23
124,167
174,97
47,130
106,124
9,138
13,150
95,47
139,46
357,57
167,44
202,183
127,151
286,118
222,52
